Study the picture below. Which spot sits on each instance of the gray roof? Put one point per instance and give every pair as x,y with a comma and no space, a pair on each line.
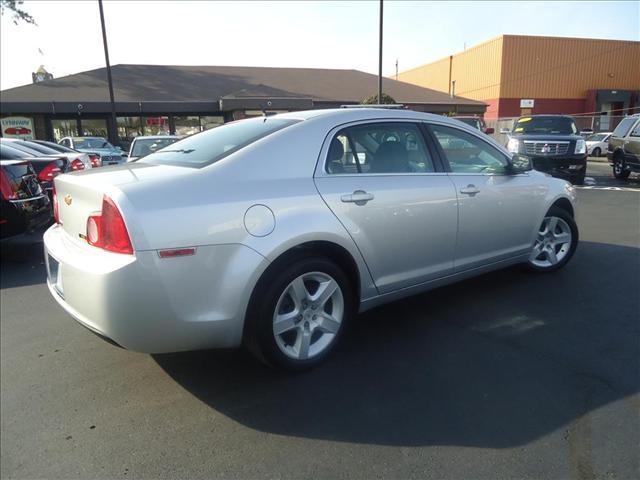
166,83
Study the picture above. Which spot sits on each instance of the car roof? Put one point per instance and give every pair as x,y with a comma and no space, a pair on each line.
363,113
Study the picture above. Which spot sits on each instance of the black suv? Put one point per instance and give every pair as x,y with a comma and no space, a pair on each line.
552,143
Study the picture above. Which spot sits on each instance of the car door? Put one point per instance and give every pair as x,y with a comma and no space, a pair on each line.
382,182
497,212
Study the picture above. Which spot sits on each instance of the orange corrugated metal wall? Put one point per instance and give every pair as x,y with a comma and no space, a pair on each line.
543,67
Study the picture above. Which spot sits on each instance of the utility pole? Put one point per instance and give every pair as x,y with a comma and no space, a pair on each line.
380,59
114,126
396,69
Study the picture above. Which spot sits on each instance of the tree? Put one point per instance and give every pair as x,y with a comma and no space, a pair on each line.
18,14
373,100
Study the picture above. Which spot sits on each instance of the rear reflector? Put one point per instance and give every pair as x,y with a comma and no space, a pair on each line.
95,160
5,187
177,252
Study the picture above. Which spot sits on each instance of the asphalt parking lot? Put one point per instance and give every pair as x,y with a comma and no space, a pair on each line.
509,375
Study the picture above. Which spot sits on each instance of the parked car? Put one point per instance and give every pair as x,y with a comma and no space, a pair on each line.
23,205
47,166
144,145
475,122
552,143
277,230
597,143
109,154
76,160
94,158
623,151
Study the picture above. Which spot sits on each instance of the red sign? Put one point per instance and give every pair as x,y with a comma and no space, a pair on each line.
17,131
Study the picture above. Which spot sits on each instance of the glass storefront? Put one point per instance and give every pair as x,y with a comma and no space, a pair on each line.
94,127
64,128
186,125
128,129
210,122
156,125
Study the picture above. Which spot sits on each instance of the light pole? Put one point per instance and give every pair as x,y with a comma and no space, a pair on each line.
380,59
114,127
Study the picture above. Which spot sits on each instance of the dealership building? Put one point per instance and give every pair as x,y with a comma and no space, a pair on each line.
163,99
521,75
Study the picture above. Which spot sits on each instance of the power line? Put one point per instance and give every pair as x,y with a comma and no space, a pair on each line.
558,67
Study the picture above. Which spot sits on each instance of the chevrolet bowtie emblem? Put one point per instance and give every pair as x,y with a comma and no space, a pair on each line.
68,199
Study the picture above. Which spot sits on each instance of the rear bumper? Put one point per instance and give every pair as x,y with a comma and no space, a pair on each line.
144,303
17,217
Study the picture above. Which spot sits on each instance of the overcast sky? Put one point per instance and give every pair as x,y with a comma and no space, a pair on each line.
285,34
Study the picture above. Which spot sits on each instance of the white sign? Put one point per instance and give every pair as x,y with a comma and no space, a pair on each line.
17,127
526,103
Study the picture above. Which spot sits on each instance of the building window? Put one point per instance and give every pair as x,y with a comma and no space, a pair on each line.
155,125
186,125
94,127
64,128
128,129
211,122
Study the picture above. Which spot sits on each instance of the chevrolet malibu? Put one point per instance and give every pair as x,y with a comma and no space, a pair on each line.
274,232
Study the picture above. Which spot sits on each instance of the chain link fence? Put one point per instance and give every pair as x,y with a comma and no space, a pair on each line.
597,123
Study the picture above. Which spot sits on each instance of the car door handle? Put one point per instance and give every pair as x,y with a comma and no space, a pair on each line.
470,190
359,197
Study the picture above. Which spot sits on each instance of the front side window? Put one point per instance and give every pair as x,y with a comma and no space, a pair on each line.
394,147
636,131
212,145
623,127
468,154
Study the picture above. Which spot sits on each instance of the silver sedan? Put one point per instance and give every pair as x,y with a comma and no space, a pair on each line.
274,232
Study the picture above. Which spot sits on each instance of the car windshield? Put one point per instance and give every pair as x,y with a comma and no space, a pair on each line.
145,146
212,145
545,125
473,122
95,142
597,137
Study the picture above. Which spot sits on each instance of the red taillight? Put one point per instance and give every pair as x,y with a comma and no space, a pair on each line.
95,160
77,165
49,172
107,230
56,212
5,187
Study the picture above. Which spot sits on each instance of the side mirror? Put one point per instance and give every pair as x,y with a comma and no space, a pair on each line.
518,164
489,130
505,131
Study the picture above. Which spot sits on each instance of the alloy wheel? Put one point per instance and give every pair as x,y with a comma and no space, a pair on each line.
618,166
308,315
552,244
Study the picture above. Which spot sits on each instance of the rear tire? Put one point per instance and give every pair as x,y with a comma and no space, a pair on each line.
298,314
619,168
555,243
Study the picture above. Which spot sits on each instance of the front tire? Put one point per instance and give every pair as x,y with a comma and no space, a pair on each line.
596,152
619,168
298,314
556,242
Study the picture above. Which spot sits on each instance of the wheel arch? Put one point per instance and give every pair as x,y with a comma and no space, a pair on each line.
564,204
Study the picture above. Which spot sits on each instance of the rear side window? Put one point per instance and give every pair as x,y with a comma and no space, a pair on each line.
213,145
623,127
396,147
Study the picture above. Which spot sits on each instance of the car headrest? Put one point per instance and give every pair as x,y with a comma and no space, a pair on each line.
336,150
390,157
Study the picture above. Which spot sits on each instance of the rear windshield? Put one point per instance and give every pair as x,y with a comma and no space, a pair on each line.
92,143
145,146
212,145
597,137
546,125
471,122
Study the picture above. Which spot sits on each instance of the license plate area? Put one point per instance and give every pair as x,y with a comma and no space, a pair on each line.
53,273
